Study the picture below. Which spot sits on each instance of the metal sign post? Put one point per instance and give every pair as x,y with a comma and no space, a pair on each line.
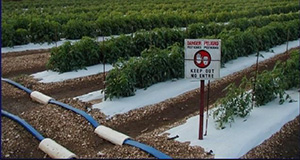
203,62
202,85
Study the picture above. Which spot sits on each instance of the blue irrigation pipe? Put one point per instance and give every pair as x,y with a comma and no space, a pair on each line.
78,111
17,85
22,122
156,153
52,101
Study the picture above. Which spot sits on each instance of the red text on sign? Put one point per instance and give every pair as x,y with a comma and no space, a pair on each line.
211,43
193,42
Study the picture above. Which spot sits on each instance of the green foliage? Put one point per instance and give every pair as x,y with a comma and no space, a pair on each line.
290,70
69,57
104,18
198,30
7,35
236,43
76,29
269,85
128,46
236,103
120,81
21,36
44,31
155,65
21,22
60,59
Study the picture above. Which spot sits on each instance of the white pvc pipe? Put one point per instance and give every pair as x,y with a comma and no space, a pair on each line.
111,135
40,97
55,150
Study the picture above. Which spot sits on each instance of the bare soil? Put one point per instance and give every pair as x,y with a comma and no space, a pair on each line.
284,144
75,133
26,62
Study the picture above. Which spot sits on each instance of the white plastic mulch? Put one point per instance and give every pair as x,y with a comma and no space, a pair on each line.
36,46
51,76
244,134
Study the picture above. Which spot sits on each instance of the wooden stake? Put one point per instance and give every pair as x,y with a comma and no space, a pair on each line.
207,106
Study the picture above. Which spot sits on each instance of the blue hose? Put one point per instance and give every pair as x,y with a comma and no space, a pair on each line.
89,118
154,152
17,85
27,126
78,111
82,113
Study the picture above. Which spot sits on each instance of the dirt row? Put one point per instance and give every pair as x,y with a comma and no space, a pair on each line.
26,52
285,144
25,62
74,132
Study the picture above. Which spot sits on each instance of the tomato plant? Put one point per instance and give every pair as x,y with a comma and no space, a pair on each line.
70,57
7,35
155,65
269,85
236,103
21,36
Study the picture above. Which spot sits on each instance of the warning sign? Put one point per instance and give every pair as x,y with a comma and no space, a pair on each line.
202,58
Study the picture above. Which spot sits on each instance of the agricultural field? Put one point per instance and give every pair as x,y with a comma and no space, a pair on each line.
121,64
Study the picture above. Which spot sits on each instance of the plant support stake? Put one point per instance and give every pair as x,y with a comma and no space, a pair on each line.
103,68
207,106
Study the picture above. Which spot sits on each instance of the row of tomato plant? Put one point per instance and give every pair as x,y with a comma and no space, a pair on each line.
234,44
240,100
74,56
197,30
72,6
155,65
128,46
104,8
47,27
239,43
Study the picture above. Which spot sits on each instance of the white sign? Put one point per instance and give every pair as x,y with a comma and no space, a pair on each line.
202,58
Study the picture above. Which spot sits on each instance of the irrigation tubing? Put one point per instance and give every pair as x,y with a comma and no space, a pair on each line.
17,85
22,122
78,111
52,101
152,151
